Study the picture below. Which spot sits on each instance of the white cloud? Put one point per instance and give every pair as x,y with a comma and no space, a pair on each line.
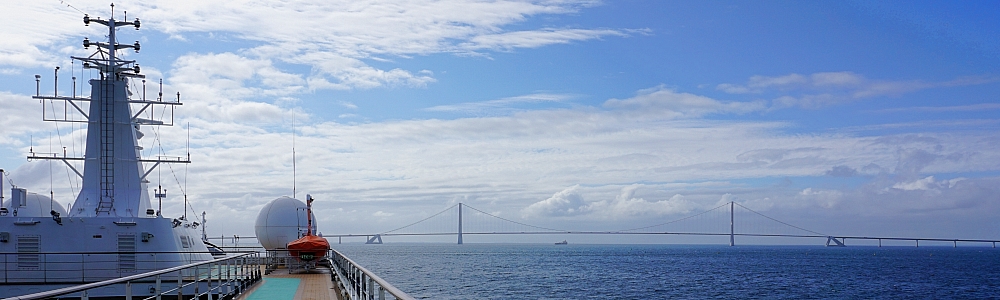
927,183
824,89
512,163
535,38
505,105
332,37
627,205
20,115
567,202
667,103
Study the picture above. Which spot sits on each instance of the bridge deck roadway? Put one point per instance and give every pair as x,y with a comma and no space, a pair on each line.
300,285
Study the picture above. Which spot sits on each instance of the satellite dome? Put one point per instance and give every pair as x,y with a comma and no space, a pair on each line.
281,221
26,204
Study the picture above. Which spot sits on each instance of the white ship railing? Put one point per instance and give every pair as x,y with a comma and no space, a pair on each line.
212,279
84,267
357,283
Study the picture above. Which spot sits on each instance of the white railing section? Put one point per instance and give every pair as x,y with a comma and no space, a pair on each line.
357,283
213,279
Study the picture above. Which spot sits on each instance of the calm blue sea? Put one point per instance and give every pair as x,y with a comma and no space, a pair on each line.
521,271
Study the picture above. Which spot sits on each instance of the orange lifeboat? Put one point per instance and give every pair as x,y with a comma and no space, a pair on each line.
309,247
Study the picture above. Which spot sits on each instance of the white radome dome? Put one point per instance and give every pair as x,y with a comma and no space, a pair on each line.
281,221
35,205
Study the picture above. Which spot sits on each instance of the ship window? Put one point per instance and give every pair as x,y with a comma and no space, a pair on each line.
126,252
185,241
27,244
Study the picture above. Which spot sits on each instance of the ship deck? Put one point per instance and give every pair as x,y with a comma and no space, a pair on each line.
316,284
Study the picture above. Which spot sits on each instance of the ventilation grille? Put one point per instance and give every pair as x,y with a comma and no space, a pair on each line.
126,252
185,241
27,244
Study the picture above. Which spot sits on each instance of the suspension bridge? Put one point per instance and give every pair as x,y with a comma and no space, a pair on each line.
730,220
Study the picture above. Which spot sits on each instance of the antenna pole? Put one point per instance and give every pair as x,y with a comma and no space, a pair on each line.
55,85
293,155
309,213
204,237
1,187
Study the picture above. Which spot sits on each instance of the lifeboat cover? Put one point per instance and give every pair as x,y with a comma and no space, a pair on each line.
308,248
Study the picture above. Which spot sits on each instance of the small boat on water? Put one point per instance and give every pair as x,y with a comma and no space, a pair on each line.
562,243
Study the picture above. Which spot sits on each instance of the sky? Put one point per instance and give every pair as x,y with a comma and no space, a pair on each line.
875,118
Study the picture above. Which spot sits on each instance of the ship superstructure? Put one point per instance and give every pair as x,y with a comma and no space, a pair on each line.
111,230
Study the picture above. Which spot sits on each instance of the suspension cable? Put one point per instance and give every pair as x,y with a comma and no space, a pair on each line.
677,220
425,219
783,223
515,222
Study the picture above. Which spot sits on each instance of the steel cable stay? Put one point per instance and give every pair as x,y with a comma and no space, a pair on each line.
424,219
515,222
675,221
783,223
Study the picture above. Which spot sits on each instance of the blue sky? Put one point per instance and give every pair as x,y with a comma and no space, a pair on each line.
594,113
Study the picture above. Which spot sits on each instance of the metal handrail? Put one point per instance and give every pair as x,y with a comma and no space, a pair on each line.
127,280
357,281
79,267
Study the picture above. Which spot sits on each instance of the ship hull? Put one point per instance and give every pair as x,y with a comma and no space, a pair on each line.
38,254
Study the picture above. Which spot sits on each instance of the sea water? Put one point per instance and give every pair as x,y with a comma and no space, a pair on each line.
522,271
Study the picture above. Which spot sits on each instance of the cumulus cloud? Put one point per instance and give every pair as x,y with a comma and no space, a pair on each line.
627,205
567,202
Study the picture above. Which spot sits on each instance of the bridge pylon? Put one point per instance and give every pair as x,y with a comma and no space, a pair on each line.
732,236
460,223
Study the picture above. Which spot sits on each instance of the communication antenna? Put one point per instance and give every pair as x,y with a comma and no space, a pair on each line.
186,170
293,154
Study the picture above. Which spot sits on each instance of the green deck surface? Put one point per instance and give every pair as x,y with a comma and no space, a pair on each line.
276,289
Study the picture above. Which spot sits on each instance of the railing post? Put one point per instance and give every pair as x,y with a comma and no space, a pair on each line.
128,290
180,285
229,276
197,279
208,283
158,297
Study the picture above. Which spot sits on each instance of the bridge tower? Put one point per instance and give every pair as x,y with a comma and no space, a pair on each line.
732,236
460,223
